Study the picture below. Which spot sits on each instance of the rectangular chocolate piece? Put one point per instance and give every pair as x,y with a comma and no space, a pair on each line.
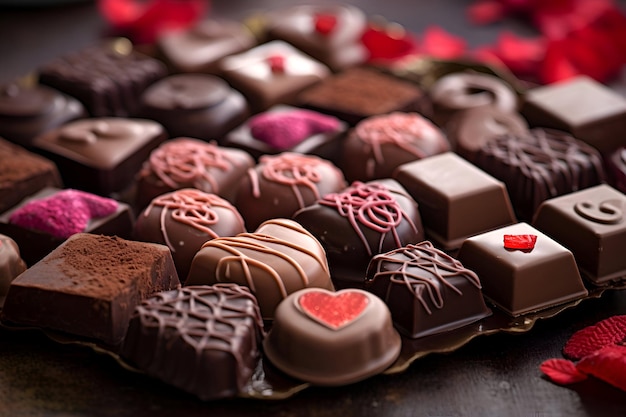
89,286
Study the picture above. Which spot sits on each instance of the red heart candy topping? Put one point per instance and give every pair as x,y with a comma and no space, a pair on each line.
325,23
523,242
334,310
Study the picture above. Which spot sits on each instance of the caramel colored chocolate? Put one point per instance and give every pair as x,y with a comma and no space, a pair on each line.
89,286
184,220
456,199
101,155
332,339
581,106
23,173
522,281
28,111
359,222
11,264
592,224
426,290
278,259
191,163
376,146
204,340
282,184
196,105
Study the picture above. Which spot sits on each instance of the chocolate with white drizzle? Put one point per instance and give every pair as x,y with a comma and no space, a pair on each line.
426,290
278,259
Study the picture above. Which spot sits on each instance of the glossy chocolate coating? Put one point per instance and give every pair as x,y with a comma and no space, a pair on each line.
184,220
539,165
376,146
339,45
203,339
101,155
592,224
191,163
107,78
23,173
195,105
616,167
456,199
266,83
200,48
359,222
357,93
282,184
279,258
89,286
590,111
522,281
35,244
11,264
426,290
26,112
304,346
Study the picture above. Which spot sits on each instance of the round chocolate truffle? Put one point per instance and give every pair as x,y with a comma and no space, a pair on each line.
11,264
282,184
184,220
379,144
329,338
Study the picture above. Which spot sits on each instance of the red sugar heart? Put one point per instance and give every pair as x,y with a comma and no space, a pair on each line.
590,339
334,310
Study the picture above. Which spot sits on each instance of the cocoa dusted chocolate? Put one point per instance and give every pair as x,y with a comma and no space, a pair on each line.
282,184
279,258
592,224
195,105
191,163
332,338
89,286
456,199
204,340
426,290
11,264
184,220
361,221
522,270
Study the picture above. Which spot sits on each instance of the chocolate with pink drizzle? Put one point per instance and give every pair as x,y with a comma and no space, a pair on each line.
426,290
363,220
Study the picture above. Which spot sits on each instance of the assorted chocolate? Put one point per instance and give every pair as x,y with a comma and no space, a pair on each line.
11,264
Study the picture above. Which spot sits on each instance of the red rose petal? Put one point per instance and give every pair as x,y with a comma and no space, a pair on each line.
524,242
556,65
385,46
485,11
523,56
562,371
590,339
607,364
441,44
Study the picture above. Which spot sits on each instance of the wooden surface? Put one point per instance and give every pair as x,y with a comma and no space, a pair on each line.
495,375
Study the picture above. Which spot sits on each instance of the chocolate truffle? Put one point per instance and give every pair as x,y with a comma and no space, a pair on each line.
108,78
592,224
468,90
328,338
278,259
11,264
357,93
539,165
525,280
379,144
426,290
23,173
590,111
272,73
286,128
616,167
184,220
45,219
204,340
28,111
200,48
191,163
89,286
359,222
101,155
456,199
469,130
329,33
196,105
282,184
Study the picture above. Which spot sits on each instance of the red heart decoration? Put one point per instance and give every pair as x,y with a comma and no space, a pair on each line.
334,310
